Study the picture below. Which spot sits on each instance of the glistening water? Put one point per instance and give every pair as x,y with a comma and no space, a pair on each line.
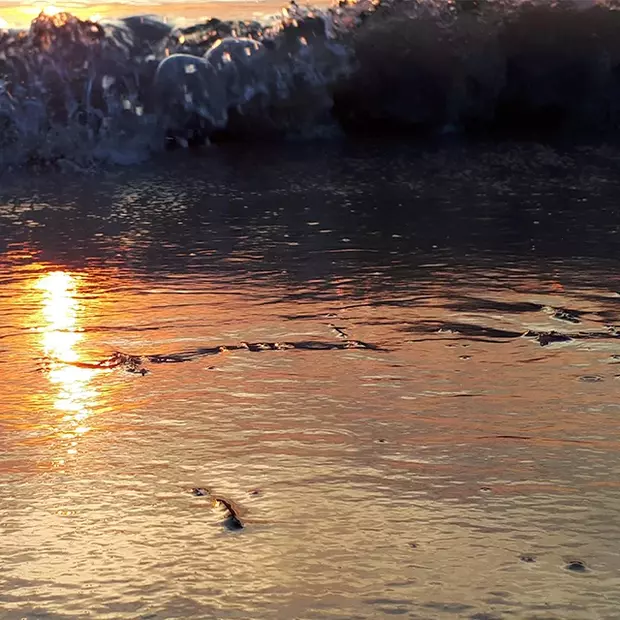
423,420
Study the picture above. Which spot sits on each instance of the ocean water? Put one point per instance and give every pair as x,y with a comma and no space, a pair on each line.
310,312
394,369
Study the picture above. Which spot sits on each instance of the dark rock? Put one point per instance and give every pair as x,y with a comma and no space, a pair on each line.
546,338
577,566
569,316
200,492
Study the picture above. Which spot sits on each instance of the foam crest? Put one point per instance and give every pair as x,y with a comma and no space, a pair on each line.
74,92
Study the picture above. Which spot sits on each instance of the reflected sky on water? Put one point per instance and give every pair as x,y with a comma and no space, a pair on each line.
454,471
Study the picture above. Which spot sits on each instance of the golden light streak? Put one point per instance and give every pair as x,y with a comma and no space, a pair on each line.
60,334
50,9
19,14
31,11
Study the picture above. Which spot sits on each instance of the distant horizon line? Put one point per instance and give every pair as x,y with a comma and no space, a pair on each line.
14,14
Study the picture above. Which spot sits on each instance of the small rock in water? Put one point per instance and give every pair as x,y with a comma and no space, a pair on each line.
590,378
527,558
577,566
283,346
566,315
485,489
137,371
546,338
464,357
200,492
234,523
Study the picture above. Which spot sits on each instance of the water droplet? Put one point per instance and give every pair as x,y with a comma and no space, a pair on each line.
107,81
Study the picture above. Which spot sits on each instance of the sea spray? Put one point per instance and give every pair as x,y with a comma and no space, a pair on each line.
78,92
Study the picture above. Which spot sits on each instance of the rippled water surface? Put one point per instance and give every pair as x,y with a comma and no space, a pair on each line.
424,420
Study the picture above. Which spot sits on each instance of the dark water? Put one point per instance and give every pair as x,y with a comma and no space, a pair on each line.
436,434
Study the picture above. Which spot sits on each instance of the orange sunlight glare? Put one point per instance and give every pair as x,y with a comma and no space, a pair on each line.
31,11
22,14
50,9
59,336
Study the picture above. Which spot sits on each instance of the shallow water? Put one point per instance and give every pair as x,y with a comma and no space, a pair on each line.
416,452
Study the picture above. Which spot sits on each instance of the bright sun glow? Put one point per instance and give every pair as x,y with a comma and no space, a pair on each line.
60,334
59,311
51,9
31,11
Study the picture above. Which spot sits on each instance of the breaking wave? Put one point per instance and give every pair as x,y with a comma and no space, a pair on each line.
74,92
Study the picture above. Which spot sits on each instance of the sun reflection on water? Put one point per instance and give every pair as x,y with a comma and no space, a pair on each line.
60,335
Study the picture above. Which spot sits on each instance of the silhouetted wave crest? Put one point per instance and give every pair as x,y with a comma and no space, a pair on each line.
73,92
